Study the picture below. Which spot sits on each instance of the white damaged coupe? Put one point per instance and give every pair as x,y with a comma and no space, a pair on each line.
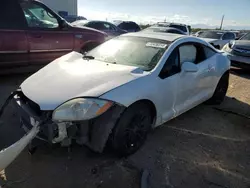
117,92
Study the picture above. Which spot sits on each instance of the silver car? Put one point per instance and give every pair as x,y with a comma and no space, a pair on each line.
239,52
217,38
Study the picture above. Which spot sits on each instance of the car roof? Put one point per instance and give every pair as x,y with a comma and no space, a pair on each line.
118,22
219,31
171,23
89,21
156,35
165,28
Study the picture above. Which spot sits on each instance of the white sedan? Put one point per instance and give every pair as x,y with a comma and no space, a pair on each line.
122,89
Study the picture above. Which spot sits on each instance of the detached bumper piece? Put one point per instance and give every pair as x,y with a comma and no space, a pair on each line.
93,133
9,154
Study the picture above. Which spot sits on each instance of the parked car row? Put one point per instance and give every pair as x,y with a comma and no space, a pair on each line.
35,35
217,38
239,52
109,28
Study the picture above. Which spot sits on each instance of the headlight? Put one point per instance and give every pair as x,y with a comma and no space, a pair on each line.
81,109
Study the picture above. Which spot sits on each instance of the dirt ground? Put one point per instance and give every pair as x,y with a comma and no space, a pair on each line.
205,147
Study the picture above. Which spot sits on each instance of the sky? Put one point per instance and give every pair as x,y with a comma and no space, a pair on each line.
197,13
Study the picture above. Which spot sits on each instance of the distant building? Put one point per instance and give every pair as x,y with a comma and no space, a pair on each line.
63,7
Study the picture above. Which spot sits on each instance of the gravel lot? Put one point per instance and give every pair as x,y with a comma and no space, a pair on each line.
205,147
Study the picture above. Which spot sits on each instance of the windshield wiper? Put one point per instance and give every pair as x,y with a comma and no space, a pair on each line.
88,57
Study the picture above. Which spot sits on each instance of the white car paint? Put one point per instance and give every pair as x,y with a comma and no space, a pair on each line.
70,77
9,154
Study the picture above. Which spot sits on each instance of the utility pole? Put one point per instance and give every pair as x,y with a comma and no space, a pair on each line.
221,22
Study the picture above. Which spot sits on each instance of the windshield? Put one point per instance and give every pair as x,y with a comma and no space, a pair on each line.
38,16
132,51
246,37
210,34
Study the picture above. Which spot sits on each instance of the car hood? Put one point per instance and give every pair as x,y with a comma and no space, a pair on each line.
243,44
70,77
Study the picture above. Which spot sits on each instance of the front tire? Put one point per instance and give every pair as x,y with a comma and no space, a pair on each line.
132,129
220,91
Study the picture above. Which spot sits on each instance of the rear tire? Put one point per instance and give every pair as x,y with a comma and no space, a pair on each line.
220,91
132,129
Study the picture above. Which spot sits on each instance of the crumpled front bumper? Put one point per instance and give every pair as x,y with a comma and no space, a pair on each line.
93,133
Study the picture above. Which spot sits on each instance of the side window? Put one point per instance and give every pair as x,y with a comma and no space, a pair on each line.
123,26
228,36
38,16
98,25
171,66
188,53
208,52
135,27
232,36
11,15
108,26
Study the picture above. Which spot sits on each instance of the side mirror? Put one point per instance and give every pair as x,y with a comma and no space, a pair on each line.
63,24
189,67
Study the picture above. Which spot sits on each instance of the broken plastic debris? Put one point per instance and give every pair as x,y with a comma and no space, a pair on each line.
9,154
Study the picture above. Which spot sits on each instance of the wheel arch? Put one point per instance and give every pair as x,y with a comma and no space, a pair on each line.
152,106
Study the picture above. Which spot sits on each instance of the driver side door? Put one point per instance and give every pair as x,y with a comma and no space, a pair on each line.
194,87
47,41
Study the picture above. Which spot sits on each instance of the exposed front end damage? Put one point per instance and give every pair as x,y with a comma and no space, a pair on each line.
93,133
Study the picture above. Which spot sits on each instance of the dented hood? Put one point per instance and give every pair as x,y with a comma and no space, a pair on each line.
71,76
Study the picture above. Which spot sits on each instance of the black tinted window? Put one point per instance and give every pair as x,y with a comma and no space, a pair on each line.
171,66
228,36
124,26
96,25
180,27
129,26
135,26
11,15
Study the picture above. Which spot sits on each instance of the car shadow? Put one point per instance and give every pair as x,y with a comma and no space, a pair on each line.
207,146
245,73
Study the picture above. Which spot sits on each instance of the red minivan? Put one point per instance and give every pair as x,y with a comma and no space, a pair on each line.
32,34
